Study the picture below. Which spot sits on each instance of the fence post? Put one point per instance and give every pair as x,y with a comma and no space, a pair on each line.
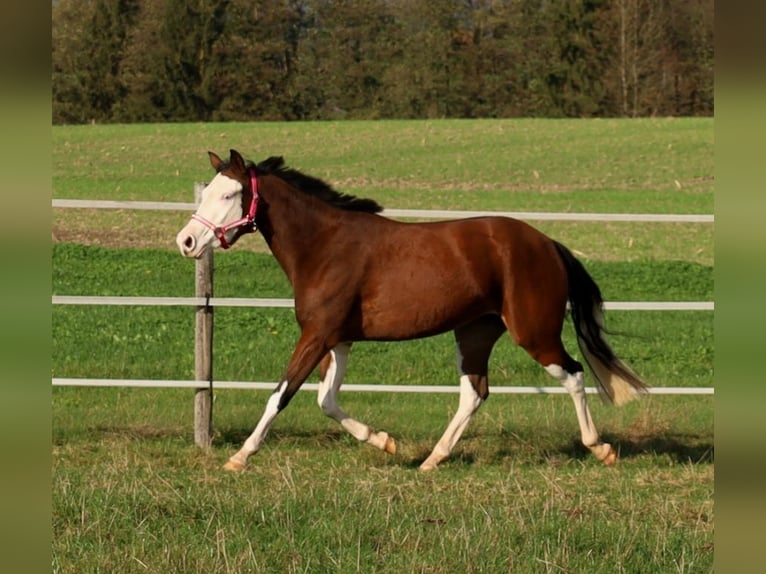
203,345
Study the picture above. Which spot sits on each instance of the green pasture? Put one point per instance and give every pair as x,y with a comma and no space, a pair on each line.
661,165
132,494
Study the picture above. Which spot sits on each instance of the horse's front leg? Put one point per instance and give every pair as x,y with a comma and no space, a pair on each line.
306,356
332,370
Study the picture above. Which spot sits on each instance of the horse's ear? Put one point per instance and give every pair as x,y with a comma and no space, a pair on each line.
236,161
215,161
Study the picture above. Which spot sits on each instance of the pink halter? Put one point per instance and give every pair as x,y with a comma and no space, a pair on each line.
247,220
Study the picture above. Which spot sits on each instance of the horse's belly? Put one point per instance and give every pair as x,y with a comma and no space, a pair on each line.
413,320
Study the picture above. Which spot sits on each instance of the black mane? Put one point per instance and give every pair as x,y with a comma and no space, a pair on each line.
316,187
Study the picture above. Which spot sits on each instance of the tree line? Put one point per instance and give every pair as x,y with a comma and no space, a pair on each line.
238,60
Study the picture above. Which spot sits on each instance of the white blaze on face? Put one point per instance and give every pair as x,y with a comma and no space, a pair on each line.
221,204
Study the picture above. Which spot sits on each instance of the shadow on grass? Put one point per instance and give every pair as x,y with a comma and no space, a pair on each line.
682,448
234,437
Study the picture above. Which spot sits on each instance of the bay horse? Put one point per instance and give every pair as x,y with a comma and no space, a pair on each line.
357,276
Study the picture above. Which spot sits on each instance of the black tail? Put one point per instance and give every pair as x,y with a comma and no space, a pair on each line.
616,381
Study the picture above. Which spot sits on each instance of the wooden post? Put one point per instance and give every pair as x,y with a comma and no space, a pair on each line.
203,345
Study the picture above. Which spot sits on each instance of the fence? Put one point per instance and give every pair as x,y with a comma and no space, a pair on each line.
205,302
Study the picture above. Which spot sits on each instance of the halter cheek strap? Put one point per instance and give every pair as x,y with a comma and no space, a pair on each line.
248,220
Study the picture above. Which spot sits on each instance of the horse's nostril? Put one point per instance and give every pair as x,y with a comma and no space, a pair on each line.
189,243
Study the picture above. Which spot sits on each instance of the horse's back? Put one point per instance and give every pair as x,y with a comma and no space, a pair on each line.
493,245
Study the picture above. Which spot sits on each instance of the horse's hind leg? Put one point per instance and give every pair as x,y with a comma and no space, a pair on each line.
571,377
474,344
569,373
332,370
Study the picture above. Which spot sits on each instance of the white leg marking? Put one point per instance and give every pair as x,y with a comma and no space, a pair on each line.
255,440
470,401
327,398
588,433
576,387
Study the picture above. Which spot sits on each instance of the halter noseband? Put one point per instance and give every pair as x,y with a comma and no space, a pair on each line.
247,220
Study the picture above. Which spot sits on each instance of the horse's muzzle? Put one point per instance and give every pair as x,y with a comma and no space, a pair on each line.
187,243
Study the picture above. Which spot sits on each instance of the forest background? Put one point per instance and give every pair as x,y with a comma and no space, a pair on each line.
243,60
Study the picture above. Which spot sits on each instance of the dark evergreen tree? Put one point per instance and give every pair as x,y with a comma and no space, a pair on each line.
253,60
167,67
89,41
173,60
574,80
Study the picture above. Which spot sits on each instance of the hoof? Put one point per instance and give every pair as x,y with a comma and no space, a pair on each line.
427,467
234,466
611,458
605,453
382,441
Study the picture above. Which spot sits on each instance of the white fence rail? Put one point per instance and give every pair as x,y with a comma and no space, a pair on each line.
358,387
290,303
416,213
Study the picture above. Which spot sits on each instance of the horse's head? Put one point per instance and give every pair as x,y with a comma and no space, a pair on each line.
227,208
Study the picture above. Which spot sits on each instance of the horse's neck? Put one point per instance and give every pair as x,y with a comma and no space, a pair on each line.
295,223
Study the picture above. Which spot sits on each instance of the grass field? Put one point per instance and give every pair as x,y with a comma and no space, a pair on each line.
646,165
132,494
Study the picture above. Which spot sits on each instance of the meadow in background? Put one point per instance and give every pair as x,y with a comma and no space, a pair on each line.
130,490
